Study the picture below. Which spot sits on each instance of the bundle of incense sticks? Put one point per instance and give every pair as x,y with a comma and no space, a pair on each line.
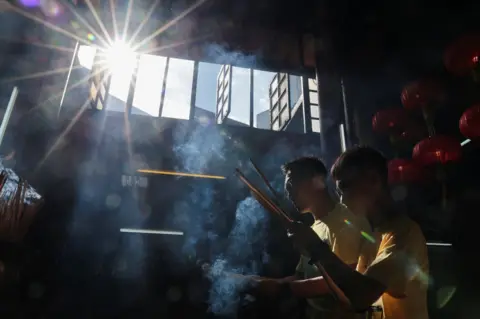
272,206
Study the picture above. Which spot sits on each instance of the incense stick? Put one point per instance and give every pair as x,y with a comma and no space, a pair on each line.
265,199
265,180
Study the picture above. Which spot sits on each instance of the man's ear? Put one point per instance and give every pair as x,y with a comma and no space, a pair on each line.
318,182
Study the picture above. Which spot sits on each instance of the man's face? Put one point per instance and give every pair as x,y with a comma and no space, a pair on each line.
304,192
361,193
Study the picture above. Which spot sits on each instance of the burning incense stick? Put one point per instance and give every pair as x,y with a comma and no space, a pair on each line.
264,200
151,231
265,180
160,172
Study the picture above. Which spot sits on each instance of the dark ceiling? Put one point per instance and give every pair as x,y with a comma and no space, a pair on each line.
368,31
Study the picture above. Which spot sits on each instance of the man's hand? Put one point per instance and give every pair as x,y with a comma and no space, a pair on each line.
265,286
307,241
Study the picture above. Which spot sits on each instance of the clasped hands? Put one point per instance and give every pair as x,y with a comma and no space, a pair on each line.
306,241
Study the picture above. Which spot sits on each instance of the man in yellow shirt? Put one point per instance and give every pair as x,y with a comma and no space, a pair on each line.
400,260
396,273
334,224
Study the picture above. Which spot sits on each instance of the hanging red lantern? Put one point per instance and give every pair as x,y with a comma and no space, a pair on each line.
422,94
389,121
437,150
404,171
470,122
462,56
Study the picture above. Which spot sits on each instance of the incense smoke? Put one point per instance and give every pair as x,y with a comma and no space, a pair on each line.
221,55
198,150
245,254
247,251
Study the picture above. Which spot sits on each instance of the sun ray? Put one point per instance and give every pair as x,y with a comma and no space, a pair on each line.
39,44
99,21
39,74
127,20
86,24
169,24
47,24
80,82
70,126
143,23
128,136
64,133
114,18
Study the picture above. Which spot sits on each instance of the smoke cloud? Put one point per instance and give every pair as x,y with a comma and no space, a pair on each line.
211,150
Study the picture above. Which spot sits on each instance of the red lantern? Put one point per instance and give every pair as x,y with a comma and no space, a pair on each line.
470,122
404,171
421,94
388,121
437,150
462,56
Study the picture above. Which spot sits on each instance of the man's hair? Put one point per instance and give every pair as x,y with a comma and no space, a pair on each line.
305,167
351,164
301,169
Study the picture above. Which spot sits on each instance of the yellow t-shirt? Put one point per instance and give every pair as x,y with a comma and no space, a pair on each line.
342,231
401,264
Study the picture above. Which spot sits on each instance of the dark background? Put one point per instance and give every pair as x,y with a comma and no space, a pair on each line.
75,263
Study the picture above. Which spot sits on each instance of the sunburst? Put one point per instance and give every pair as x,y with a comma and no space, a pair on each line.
115,53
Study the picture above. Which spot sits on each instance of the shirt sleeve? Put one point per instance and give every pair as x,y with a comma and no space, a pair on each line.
394,266
347,242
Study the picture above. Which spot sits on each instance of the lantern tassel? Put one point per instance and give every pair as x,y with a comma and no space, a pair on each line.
395,144
429,121
444,195
442,178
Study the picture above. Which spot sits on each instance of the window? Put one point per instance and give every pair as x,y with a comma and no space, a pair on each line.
284,116
121,76
220,76
178,90
240,97
283,86
313,97
284,100
314,111
275,125
316,126
275,111
86,56
295,89
312,84
275,81
225,109
148,88
275,97
207,93
275,92
261,98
